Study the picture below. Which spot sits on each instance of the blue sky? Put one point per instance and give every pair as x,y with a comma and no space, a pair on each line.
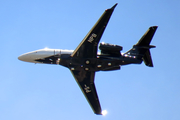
49,92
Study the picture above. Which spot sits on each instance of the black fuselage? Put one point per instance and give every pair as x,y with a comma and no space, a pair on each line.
101,63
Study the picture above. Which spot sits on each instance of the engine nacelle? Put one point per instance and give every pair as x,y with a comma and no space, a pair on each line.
110,49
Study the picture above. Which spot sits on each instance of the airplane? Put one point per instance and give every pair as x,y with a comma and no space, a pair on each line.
85,60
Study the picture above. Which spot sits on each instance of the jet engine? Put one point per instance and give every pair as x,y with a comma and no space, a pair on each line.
110,49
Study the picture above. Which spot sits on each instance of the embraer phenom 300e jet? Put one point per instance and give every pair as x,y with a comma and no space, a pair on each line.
84,61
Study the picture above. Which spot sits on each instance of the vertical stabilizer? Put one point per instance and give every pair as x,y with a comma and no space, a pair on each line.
147,37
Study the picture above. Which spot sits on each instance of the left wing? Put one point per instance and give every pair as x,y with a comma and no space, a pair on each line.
88,47
85,80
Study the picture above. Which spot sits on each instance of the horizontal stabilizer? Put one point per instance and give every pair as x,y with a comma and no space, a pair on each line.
147,59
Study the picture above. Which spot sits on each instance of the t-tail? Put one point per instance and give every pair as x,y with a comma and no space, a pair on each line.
142,48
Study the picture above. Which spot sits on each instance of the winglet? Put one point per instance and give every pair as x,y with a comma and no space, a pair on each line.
114,6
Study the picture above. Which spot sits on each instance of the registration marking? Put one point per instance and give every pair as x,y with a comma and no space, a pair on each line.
87,88
91,38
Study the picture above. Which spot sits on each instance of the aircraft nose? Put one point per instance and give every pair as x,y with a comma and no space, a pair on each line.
27,57
23,57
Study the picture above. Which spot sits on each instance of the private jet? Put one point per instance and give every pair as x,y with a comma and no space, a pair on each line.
85,60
